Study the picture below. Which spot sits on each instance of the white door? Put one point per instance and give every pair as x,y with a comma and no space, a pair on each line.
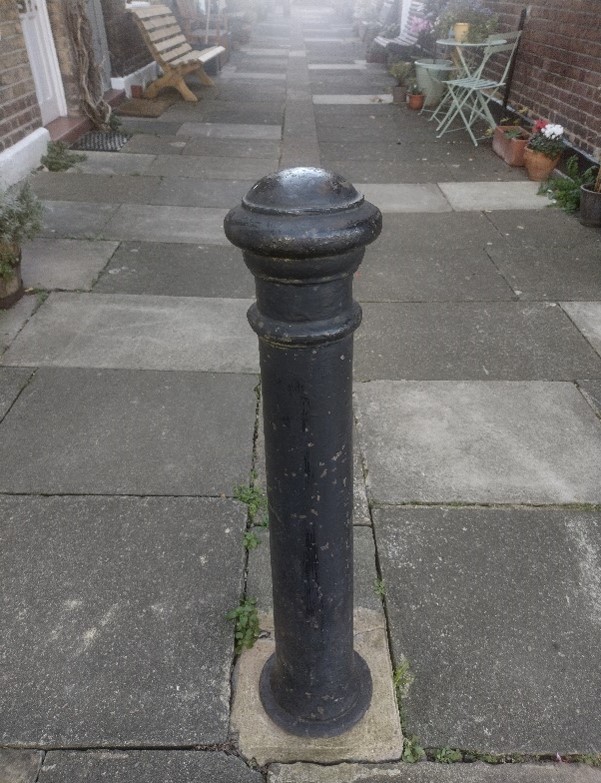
42,57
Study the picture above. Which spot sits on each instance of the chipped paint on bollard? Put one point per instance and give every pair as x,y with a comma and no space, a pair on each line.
303,232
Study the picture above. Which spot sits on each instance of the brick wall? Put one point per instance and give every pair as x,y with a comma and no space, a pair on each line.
128,50
558,67
19,110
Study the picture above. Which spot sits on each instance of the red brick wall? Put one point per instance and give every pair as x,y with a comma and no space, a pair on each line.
19,110
558,67
128,50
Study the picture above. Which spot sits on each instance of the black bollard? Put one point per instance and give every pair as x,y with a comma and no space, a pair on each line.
303,232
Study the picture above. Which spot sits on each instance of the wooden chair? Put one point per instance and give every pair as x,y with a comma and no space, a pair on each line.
170,49
210,29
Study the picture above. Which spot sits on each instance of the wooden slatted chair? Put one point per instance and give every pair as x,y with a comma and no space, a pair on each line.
170,49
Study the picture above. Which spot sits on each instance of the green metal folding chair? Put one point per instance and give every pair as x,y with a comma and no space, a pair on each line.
469,96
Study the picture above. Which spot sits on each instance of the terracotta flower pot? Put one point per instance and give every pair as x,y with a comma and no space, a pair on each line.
415,102
538,166
11,286
590,206
510,149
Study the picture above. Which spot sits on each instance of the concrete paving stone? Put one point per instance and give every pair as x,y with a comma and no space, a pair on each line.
263,64
188,192
19,766
99,188
373,152
14,319
138,332
374,132
486,167
177,270
479,442
77,220
261,76
12,381
405,198
471,340
68,264
551,226
143,222
252,51
75,431
549,271
233,91
509,669
382,172
587,318
231,131
210,167
359,65
365,574
492,195
116,620
350,86
145,766
444,261
370,99
110,163
265,113
377,737
149,126
433,773
592,393
152,144
232,148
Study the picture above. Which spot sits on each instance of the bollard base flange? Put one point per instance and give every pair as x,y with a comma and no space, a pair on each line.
310,728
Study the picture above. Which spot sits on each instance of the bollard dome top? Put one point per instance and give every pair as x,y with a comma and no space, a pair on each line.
303,212
302,191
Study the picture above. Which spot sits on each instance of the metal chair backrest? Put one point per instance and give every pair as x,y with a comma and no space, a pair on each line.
492,49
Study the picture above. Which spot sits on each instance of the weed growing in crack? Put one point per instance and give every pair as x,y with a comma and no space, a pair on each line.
246,624
448,756
402,678
253,498
250,540
412,750
379,588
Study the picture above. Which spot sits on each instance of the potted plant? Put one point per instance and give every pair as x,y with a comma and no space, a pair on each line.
566,191
20,218
590,203
469,21
415,98
402,72
509,143
543,150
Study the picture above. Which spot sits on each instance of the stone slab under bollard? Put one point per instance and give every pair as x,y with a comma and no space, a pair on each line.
303,232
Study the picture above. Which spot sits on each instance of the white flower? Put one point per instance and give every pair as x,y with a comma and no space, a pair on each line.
552,131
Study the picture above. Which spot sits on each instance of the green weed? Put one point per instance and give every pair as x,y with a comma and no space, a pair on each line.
246,624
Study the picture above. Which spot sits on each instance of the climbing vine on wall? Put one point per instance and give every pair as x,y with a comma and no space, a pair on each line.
88,72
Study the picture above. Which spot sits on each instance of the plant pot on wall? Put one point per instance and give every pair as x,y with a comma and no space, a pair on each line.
509,143
538,166
590,206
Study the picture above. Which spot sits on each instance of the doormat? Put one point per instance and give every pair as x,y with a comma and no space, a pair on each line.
101,141
147,107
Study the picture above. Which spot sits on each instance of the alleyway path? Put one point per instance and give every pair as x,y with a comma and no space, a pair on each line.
128,415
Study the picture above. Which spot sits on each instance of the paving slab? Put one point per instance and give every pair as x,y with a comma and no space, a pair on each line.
381,172
67,264
145,766
587,317
504,670
492,195
214,168
19,766
262,113
138,332
261,76
370,99
445,260
232,148
112,163
551,226
117,620
433,773
405,198
13,320
471,340
152,144
255,51
76,220
377,737
123,432
177,270
12,380
143,222
592,393
101,188
371,132
236,91
231,130
147,125
202,192
359,65
479,442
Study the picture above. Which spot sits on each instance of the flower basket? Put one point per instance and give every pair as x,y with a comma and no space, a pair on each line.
509,143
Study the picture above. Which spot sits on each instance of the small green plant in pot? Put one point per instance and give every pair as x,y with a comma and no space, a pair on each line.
403,72
415,98
566,191
590,202
20,218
